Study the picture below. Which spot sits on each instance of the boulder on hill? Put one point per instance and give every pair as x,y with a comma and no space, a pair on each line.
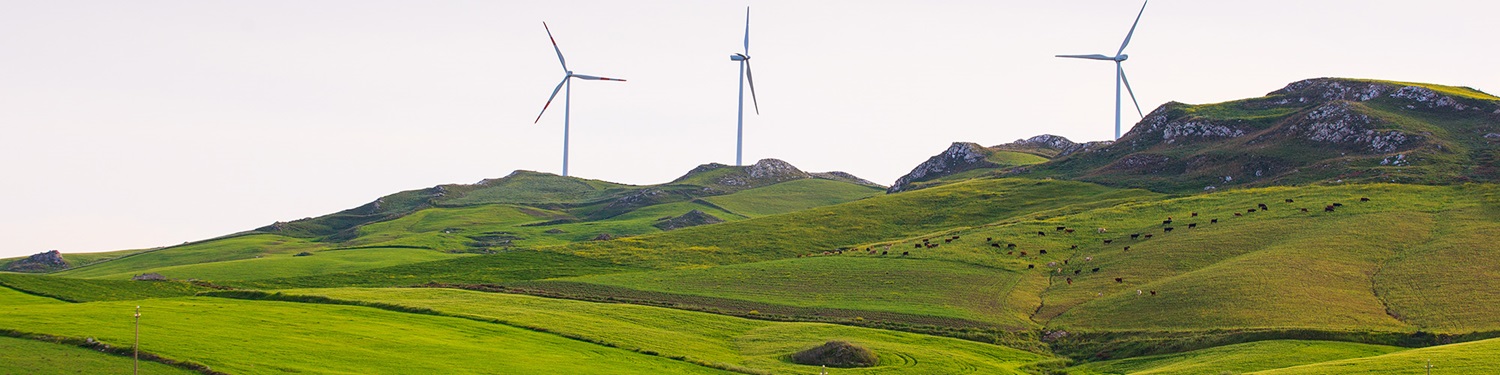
842,354
690,219
604,237
149,276
47,261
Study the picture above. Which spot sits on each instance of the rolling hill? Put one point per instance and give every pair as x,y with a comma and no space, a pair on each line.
1332,226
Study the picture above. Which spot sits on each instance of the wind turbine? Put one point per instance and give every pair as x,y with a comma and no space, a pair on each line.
744,59
567,98
1119,57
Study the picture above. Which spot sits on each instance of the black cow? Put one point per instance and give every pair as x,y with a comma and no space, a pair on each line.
1075,247
1263,207
1012,246
1364,199
1108,241
1336,204
1192,225
1167,229
1148,236
905,253
1096,269
1119,279
1061,228
1250,210
1030,266
1328,208
1043,251
1041,233
1127,248
1166,222
918,246
1075,272
1195,214
1213,221
1289,200
988,239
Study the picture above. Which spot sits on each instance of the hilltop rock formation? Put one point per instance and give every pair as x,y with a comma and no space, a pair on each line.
961,156
690,219
47,261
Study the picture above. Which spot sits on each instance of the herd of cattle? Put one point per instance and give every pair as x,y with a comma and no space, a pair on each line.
1012,249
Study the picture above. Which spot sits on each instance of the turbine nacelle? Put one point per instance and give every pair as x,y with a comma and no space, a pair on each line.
1121,57
738,57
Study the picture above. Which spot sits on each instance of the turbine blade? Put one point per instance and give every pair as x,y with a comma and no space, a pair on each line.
1128,89
1132,28
1090,57
554,47
549,99
747,31
751,77
594,78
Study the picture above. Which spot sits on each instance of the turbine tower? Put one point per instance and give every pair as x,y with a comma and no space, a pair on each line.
1119,57
567,98
744,59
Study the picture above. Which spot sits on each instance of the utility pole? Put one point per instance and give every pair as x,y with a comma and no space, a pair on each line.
1429,366
137,370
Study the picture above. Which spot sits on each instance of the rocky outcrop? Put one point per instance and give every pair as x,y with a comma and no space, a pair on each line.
41,262
961,156
690,219
149,276
845,177
775,170
1337,124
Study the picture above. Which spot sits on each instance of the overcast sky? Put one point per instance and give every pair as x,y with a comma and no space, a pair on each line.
133,124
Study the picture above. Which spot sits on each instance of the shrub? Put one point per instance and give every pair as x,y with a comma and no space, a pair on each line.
841,354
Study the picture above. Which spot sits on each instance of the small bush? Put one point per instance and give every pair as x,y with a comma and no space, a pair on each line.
841,354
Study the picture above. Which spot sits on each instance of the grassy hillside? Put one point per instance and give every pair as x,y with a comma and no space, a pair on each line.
791,196
23,356
234,336
1237,359
508,266
81,290
233,248
1479,357
751,345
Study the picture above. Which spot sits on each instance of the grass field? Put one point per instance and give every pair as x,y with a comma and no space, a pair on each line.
729,342
234,248
791,196
506,266
289,265
1237,359
1479,357
889,284
83,290
31,357
235,336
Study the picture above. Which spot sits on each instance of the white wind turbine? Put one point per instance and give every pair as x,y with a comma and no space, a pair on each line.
744,59
567,98
1119,57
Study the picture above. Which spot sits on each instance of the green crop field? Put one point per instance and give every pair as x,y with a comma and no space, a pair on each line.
1237,359
726,342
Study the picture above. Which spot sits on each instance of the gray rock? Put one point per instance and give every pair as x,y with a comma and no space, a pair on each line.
46,261
959,157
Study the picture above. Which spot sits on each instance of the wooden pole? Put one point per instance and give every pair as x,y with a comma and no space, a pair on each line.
137,349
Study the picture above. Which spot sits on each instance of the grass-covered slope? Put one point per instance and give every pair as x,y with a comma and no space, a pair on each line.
249,337
1237,359
726,342
32,357
83,290
1479,357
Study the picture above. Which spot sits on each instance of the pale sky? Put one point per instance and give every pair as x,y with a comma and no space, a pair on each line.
133,124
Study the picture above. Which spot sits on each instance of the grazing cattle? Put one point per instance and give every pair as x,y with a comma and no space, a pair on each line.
1138,292
827,253
955,237
1051,264
1010,253
924,240
1236,214
1102,230
905,253
1364,199
882,252
1304,210
988,239
1065,261
1012,246
995,245
1041,233
1030,266
1075,272
929,246
1075,247
1069,230
1166,222
1153,292
1167,229
1195,214
1289,200
1061,228
947,240
1119,279
1213,221
1070,281
1043,251
1135,236
1329,208
1336,204
1088,259
1127,248
1108,241
1023,253
1192,225
1148,235
1263,207
918,246
1250,210
1096,269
